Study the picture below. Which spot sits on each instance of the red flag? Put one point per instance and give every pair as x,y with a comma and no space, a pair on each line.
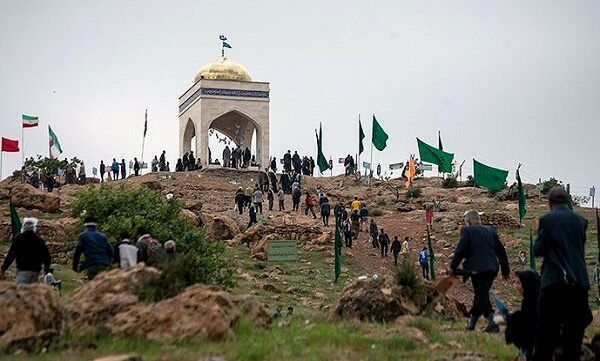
9,145
428,216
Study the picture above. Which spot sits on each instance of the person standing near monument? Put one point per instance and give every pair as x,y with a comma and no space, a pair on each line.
186,162
247,157
136,167
287,161
192,161
274,165
483,255
297,163
162,163
226,156
563,301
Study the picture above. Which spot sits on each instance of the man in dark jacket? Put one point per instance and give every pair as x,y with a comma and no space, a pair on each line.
97,251
102,170
30,251
123,169
483,255
563,303
373,232
287,161
136,167
395,248
384,240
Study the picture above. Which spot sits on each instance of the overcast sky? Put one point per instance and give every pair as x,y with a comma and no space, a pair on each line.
504,81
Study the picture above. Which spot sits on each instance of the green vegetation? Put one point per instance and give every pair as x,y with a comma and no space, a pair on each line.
406,276
450,182
47,165
550,183
413,192
126,210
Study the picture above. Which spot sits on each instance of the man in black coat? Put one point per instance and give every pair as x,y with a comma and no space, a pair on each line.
287,161
563,303
483,255
384,240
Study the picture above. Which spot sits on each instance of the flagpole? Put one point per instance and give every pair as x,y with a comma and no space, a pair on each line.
371,165
22,144
144,139
1,157
358,158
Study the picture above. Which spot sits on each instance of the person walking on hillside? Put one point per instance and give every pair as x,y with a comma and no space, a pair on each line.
355,206
325,211
123,169
30,252
95,248
115,169
310,205
424,262
258,200
270,198
50,182
384,240
252,215
404,249
364,214
102,170
226,157
483,255
374,233
355,219
281,199
296,195
395,248
151,252
125,254
136,167
347,229
563,302
240,199
249,192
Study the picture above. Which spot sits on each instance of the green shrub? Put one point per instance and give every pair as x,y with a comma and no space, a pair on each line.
550,183
375,212
470,181
413,192
381,202
126,210
450,182
406,276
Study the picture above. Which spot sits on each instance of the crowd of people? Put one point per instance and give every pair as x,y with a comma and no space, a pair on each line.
32,256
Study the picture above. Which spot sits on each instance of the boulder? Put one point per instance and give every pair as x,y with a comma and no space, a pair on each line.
25,196
200,311
190,216
219,228
31,314
93,305
379,300
58,230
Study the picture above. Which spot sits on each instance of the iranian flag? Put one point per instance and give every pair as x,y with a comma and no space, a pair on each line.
30,121
55,149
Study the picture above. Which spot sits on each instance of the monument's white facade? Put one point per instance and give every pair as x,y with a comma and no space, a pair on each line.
225,98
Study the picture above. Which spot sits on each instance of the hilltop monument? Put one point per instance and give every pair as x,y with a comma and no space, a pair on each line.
224,98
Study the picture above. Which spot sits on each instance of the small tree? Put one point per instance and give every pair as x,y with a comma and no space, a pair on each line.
47,165
550,183
413,192
396,186
450,182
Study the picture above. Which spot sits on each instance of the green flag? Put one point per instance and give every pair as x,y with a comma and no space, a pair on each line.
431,256
321,160
15,222
379,136
54,144
522,203
531,255
361,136
337,249
433,155
488,177
440,146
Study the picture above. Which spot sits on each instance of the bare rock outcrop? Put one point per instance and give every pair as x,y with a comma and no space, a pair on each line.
219,228
26,196
200,311
30,314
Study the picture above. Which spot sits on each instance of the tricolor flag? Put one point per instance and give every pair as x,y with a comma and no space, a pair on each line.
30,121
55,149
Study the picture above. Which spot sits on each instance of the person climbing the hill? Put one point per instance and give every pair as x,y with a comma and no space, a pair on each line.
309,201
249,192
296,195
150,251
125,254
258,199
563,302
483,255
270,197
325,211
355,219
374,233
355,206
404,250
424,262
395,248
252,215
95,248
384,240
347,229
364,214
281,199
240,199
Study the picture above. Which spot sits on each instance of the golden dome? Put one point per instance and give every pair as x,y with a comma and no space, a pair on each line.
223,68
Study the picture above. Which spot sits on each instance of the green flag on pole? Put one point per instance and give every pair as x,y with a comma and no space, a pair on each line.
15,222
433,155
488,177
321,160
431,256
337,250
522,203
531,255
379,136
361,136
54,144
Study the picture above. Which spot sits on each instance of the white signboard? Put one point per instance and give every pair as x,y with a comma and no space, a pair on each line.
396,166
367,165
426,166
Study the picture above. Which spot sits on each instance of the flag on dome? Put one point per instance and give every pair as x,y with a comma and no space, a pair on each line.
226,45
30,121
54,144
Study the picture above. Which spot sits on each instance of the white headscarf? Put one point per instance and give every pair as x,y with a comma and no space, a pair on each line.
29,224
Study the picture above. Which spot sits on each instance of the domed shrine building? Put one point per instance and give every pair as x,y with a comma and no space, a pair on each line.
225,99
